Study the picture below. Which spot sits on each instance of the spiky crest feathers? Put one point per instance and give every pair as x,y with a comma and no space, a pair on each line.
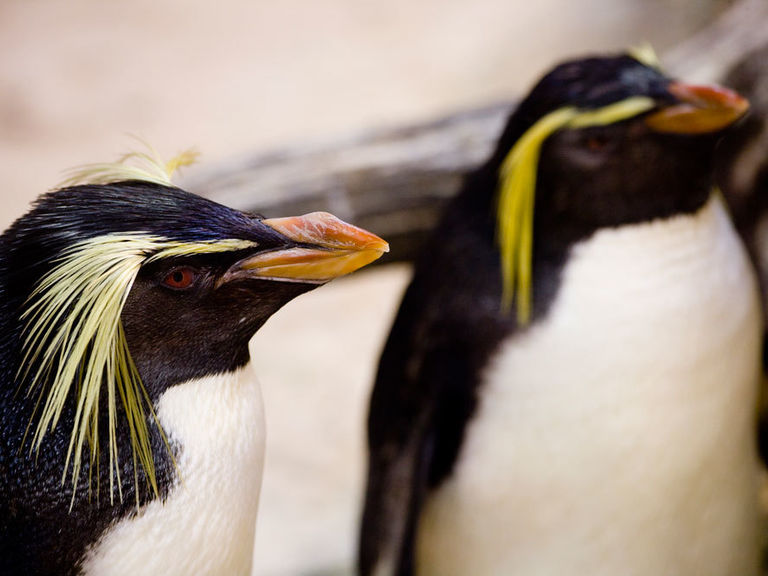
144,166
73,343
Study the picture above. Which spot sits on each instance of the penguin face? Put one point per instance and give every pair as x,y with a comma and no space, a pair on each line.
598,176
116,292
200,312
191,314
580,144
184,310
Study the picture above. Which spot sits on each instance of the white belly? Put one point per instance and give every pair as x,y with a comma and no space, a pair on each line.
616,437
206,524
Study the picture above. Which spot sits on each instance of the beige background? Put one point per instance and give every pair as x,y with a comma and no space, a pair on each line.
235,77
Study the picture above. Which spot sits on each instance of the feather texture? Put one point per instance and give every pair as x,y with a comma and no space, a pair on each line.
645,54
146,166
74,337
517,191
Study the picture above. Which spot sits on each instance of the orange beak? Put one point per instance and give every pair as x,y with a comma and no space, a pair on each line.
333,248
699,110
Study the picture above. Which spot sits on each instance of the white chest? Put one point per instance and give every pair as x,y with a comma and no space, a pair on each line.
207,523
617,436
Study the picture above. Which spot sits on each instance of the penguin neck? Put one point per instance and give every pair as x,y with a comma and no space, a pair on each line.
564,216
216,425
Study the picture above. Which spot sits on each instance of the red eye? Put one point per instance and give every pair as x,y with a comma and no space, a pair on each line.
597,143
180,278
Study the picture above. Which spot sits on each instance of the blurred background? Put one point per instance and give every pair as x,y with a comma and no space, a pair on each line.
238,77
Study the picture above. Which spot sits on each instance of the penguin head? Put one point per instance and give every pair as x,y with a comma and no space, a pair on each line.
118,291
601,142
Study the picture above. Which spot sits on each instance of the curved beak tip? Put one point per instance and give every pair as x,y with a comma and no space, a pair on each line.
322,247
698,110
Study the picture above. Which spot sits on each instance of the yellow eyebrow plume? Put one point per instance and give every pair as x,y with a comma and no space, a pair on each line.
73,339
517,191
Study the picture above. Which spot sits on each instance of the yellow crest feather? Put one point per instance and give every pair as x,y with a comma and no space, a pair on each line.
517,191
515,212
74,337
645,54
146,166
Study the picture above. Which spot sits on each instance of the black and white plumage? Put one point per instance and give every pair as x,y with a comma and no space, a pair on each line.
183,283
610,429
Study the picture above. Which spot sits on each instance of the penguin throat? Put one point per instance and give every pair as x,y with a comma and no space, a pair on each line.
218,424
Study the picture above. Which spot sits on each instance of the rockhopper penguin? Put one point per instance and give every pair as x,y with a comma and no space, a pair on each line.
132,430
571,388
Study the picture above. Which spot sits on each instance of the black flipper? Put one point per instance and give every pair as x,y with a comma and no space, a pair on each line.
399,429
447,327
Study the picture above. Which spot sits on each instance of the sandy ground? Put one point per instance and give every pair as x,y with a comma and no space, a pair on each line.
234,77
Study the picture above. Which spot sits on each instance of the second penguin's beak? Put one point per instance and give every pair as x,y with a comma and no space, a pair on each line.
323,248
697,110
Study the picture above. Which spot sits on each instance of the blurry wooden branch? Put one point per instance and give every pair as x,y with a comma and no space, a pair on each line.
392,182
396,181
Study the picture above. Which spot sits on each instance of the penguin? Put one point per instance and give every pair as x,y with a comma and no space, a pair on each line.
132,426
570,383
741,171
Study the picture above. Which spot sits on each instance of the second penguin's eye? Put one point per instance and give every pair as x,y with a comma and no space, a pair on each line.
597,142
180,278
